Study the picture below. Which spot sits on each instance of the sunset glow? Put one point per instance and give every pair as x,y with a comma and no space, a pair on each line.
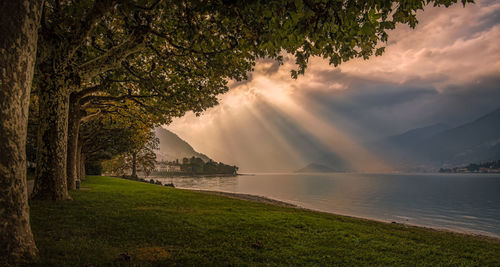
429,76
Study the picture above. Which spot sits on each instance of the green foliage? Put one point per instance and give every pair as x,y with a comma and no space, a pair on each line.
169,57
146,159
115,166
93,167
160,226
110,135
120,142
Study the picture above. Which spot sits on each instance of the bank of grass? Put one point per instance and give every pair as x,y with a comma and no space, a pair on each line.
120,222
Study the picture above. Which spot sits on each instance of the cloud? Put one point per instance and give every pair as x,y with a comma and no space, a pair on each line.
450,46
374,110
446,70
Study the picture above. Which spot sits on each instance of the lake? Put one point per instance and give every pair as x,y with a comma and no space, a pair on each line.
461,202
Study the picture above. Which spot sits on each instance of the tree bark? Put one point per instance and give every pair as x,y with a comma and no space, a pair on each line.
134,164
50,174
19,22
78,160
81,173
73,130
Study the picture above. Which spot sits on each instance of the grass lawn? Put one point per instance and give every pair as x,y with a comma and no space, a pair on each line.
121,222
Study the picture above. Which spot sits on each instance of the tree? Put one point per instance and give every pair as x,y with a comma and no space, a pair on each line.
56,49
72,53
132,120
143,159
147,160
19,22
115,166
155,44
121,139
141,152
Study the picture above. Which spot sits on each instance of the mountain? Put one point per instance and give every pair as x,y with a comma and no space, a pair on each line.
416,136
314,167
172,147
400,150
475,141
326,161
439,145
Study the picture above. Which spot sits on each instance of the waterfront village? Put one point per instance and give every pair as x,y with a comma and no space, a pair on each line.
488,167
194,167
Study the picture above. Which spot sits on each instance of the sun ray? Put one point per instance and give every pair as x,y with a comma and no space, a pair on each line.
325,132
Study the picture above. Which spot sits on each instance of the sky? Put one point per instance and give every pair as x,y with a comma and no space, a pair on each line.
447,70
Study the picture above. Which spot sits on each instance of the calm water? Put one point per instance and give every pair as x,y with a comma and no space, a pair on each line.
462,202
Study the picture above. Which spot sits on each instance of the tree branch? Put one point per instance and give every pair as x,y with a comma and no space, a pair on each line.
89,117
85,28
99,98
182,48
96,88
150,7
113,58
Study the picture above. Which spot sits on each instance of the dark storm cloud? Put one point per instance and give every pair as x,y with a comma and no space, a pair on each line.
382,108
460,104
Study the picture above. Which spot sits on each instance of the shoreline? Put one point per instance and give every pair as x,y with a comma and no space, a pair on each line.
156,176
248,197
280,203
131,223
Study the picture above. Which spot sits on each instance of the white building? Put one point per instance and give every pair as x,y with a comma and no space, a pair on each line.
173,168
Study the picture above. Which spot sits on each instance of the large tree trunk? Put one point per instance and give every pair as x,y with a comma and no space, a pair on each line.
78,160
19,22
50,174
134,165
82,173
73,128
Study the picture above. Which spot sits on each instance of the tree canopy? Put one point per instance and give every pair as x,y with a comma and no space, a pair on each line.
170,57
150,61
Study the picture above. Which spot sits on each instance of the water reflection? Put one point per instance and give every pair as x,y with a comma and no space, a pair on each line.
469,203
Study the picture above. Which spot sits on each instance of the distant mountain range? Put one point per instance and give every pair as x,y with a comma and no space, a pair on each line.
439,145
415,136
472,142
172,147
435,146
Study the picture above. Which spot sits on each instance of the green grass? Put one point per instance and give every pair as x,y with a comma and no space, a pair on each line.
157,225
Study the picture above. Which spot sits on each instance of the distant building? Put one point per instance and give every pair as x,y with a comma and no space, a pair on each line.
173,168
168,167
161,168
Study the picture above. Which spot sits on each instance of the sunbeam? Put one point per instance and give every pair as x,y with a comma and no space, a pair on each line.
439,72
